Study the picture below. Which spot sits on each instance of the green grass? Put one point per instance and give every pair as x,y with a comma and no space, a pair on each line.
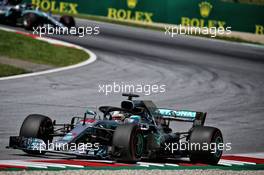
6,70
21,47
152,27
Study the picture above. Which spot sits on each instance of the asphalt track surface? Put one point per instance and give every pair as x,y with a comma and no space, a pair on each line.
225,79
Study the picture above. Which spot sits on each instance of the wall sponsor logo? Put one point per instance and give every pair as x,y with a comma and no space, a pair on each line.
132,3
202,13
55,6
196,22
205,9
123,14
259,29
130,14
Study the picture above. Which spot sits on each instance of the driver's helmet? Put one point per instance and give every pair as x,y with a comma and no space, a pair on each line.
117,115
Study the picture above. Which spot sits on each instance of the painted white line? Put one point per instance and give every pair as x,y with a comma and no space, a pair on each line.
54,41
100,161
239,162
170,164
49,164
152,164
29,163
53,165
57,165
21,163
249,163
259,155
7,29
223,163
143,165
231,162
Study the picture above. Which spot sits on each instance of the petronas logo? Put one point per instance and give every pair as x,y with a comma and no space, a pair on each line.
132,3
205,9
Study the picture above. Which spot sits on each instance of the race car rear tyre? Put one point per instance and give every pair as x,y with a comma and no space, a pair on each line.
37,126
128,143
68,21
205,144
31,21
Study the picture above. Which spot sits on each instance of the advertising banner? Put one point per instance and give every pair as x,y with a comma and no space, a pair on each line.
240,15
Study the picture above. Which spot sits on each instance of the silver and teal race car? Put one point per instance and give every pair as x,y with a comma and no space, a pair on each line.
13,12
134,131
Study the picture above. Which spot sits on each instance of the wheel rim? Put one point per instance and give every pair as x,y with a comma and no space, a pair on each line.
218,152
139,145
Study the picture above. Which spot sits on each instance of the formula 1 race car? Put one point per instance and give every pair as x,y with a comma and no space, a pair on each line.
13,12
136,130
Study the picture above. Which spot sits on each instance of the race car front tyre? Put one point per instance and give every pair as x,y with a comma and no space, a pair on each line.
37,126
128,143
206,145
30,21
68,21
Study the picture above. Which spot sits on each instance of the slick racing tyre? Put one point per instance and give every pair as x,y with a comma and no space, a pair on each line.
204,145
31,21
128,143
37,126
68,21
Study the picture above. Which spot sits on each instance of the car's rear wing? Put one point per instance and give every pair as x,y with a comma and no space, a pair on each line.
198,118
